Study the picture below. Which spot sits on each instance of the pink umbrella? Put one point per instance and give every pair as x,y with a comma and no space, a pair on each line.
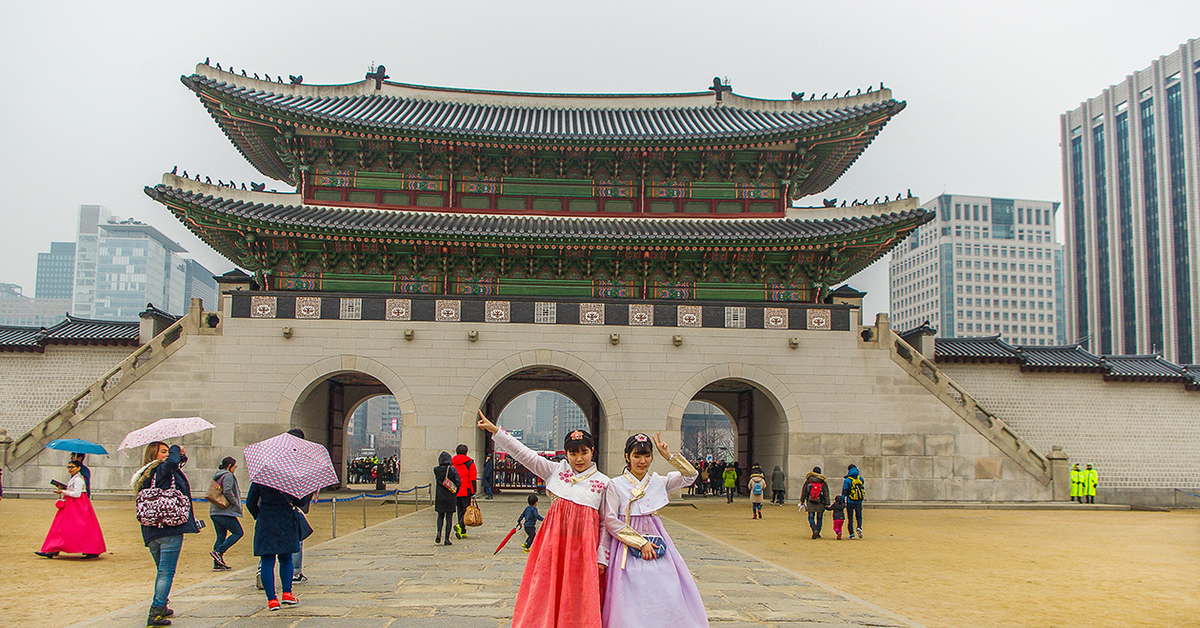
164,429
293,465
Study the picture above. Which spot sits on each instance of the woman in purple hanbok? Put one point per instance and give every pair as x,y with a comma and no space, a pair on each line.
648,584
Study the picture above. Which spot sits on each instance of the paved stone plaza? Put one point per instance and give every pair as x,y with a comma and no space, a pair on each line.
393,575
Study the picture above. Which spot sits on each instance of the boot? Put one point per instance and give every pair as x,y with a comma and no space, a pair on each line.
157,617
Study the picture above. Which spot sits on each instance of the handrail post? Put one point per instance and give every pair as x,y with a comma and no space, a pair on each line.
333,500
364,501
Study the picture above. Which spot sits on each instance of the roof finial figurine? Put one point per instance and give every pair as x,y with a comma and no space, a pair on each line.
876,200
257,187
830,202
218,65
256,76
378,75
859,92
207,180
174,169
719,88
881,87
205,60
797,96
243,71
296,80
185,175
243,185
197,176
825,95
909,193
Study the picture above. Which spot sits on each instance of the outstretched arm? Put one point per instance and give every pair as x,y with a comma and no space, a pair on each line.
686,474
540,466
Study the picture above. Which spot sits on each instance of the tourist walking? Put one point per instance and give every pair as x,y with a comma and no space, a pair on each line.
729,478
853,493
647,583
466,471
757,485
75,528
84,472
277,535
162,470
225,518
839,515
489,475
1090,480
528,519
561,582
445,481
778,486
702,483
815,499
1076,484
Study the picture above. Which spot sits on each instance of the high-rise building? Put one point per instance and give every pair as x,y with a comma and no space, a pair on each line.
121,266
568,416
56,272
986,266
1131,181
18,310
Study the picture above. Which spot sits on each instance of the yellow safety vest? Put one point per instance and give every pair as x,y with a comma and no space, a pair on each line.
1091,481
1076,482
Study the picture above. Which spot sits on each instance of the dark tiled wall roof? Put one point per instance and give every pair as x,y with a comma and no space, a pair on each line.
72,331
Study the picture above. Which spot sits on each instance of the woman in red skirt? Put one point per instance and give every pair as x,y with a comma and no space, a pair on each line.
561,585
75,528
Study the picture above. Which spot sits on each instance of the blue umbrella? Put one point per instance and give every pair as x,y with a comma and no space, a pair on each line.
76,445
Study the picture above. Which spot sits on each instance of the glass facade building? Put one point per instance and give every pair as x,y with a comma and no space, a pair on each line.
1131,177
986,267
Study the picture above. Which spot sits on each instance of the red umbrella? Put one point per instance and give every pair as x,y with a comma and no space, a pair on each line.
501,546
293,465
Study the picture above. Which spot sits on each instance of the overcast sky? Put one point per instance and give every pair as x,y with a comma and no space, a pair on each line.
91,108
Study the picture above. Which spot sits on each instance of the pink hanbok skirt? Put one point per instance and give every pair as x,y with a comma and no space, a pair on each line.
75,529
561,584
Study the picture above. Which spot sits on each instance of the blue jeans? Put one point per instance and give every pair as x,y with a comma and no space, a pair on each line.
853,516
267,564
815,519
298,559
165,550
222,525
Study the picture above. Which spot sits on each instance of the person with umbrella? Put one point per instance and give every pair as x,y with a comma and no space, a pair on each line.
75,528
283,471
162,470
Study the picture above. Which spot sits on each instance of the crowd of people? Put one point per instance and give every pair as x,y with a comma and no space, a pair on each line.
372,469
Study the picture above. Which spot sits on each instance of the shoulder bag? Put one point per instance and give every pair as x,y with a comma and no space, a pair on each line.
163,507
472,516
216,493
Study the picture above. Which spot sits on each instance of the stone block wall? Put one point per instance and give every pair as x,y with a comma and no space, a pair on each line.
35,385
830,401
1143,438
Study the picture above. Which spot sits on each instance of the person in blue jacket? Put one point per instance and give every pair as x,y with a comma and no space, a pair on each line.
529,517
162,470
853,487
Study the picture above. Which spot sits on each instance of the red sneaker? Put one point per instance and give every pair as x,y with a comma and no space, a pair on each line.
289,599
272,605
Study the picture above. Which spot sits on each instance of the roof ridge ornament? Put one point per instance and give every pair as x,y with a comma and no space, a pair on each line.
379,74
718,87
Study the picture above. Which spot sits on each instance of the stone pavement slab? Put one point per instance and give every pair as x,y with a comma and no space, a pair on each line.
393,575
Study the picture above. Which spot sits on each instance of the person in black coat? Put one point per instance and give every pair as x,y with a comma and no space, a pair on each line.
445,499
277,535
162,470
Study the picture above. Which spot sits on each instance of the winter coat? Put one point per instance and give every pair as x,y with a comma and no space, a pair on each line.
756,478
276,527
466,470
810,504
229,487
730,477
778,480
839,509
489,472
161,477
846,485
443,498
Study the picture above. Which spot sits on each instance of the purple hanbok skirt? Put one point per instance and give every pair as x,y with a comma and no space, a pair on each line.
650,593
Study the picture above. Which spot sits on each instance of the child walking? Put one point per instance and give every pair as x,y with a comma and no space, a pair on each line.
561,584
648,584
839,515
757,485
530,517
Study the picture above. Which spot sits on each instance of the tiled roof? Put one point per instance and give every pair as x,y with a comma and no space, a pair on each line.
21,338
1193,371
1060,358
507,228
1143,368
443,113
981,349
85,331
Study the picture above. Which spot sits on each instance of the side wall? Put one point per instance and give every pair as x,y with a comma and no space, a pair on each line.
1143,438
34,385
831,401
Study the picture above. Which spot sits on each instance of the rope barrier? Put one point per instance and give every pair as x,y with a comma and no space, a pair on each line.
1187,493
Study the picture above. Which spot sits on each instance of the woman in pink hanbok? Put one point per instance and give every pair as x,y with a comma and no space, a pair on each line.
75,529
648,584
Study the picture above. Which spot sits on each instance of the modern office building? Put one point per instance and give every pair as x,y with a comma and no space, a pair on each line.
1131,183
121,266
18,310
56,272
985,267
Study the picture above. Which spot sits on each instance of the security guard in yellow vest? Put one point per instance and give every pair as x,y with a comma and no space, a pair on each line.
1076,484
1090,480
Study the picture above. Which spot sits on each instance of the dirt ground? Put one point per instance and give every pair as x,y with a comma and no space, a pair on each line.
943,568
30,584
951,568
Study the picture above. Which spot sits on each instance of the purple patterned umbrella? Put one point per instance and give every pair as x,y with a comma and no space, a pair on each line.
293,465
163,429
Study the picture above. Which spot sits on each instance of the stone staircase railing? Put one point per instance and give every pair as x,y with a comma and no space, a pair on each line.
91,399
957,399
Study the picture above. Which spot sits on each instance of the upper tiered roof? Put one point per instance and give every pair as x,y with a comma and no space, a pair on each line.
259,116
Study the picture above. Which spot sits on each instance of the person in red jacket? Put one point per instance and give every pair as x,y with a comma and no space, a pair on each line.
466,470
